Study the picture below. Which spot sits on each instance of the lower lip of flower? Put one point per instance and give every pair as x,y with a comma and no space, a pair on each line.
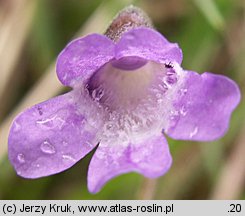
135,95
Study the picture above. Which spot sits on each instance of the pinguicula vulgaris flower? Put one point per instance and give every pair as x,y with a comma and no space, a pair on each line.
128,91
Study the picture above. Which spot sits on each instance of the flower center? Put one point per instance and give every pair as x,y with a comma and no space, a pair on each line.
134,94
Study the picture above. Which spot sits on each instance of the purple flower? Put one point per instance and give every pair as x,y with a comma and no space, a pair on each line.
125,95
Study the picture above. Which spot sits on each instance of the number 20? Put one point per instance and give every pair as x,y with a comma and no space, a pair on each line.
235,208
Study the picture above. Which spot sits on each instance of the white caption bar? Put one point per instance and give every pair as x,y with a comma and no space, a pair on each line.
122,207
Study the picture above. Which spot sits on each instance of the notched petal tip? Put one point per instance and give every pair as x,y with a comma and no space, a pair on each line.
231,85
150,158
205,108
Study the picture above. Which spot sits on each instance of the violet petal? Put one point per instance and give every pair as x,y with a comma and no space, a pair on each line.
150,158
50,137
82,57
204,105
148,44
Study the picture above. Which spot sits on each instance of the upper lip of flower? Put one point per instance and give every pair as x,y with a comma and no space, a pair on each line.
75,65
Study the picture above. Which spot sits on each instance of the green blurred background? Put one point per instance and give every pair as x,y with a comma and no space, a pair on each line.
211,34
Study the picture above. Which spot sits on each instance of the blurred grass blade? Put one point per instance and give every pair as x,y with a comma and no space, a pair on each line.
148,189
230,183
18,21
212,13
